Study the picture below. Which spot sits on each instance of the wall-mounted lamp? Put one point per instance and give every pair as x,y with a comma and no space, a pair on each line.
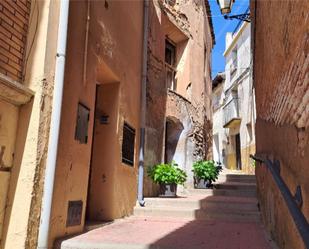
226,7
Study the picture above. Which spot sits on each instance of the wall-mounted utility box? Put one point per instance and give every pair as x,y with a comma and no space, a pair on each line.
74,215
82,120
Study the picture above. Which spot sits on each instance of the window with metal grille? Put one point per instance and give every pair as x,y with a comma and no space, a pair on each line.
74,216
128,143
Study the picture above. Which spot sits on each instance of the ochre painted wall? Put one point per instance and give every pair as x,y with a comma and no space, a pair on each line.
247,163
33,97
114,55
231,161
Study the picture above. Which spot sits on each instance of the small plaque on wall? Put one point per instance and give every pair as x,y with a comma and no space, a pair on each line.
74,216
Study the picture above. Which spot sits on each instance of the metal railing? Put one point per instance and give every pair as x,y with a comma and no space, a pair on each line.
231,110
293,202
240,22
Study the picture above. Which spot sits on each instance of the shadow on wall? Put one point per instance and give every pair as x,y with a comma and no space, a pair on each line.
22,131
101,194
173,131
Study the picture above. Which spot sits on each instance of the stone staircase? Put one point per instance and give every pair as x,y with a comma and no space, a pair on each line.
224,217
233,198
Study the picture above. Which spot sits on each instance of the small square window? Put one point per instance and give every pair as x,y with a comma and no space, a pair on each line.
81,131
128,144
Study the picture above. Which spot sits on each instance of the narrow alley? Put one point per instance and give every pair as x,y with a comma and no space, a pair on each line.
154,124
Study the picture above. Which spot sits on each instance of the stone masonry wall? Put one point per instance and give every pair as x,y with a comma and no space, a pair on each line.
187,25
281,80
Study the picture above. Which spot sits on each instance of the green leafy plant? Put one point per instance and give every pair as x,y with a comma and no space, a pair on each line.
206,170
167,173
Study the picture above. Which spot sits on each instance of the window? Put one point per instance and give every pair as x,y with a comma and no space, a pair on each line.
233,66
81,131
128,144
170,56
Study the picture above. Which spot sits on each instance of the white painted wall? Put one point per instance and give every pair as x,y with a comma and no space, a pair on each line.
242,82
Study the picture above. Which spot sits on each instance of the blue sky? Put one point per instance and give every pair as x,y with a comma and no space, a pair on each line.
222,26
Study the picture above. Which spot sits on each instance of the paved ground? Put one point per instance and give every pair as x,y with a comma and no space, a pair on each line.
226,217
156,233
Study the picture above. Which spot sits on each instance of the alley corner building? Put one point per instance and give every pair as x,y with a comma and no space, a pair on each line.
233,103
71,77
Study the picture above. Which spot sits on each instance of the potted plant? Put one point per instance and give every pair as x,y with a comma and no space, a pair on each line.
167,175
205,172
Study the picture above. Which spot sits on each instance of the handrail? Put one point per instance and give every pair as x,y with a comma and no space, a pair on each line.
293,205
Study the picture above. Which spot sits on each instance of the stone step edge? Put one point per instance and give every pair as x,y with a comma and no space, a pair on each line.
193,210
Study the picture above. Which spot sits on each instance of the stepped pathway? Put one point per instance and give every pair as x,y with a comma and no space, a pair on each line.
226,217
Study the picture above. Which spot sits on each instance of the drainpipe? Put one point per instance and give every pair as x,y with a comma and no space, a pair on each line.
54,127
86,44
140,196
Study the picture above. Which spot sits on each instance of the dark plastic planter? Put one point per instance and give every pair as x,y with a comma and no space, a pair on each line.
202,184
168,190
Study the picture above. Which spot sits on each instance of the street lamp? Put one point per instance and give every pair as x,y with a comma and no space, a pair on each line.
226,6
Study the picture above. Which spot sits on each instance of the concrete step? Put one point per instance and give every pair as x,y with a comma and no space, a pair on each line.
201,202
223,192
236,186
236,178
209,213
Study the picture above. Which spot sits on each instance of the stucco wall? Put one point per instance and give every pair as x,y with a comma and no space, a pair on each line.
114,55
21,224
281,81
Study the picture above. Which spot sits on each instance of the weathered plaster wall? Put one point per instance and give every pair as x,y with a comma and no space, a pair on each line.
185,24
281,80
114,55
21,224
8,128
186,151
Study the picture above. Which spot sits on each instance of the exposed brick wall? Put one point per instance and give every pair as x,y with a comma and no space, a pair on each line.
281,66
14,19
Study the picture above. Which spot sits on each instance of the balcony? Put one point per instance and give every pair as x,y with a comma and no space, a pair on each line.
231,114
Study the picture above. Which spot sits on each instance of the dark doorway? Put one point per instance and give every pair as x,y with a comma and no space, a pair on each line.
101,195
238,152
